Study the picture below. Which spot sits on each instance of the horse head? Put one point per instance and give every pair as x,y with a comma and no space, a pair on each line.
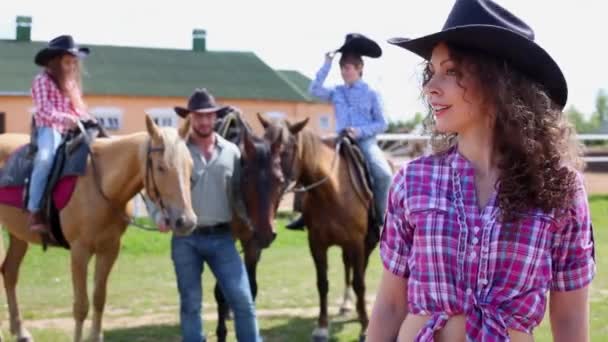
285,137
168,166
262,185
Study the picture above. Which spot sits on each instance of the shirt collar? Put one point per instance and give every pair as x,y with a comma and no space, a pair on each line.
220,143
457,161
359,84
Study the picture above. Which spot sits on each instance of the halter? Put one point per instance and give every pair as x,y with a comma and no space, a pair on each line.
291,179
149,177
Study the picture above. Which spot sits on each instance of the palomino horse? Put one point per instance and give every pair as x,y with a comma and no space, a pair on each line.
335,209
96,216
261,185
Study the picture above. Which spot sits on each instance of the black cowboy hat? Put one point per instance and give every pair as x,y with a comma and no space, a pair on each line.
361,45
200,102
486,26
59,46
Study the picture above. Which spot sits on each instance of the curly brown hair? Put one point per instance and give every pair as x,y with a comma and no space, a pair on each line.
537,153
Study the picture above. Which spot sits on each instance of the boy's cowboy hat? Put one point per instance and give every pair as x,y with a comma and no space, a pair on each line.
361,45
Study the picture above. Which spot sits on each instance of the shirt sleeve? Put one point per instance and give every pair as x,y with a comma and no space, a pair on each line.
397,234
573,264
316,86
378,123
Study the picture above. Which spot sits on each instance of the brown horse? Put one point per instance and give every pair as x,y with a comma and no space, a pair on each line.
261,185
335,209
96,216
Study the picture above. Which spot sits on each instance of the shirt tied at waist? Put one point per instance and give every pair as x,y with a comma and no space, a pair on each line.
486,316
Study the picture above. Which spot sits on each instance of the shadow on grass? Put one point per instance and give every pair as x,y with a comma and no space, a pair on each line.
147,333
273,330
300,329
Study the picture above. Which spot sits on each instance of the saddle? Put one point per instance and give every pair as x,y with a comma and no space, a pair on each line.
69,163
230,126
361,177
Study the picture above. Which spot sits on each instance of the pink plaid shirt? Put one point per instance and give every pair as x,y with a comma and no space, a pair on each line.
463,261
51,105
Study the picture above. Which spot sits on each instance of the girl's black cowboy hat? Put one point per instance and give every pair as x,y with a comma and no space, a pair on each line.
59,46
486,26
361,45
200,102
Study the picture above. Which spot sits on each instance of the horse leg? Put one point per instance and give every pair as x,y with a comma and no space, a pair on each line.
80,256
252,257
359,262
347,301
222,313
104,261
319,255
10,271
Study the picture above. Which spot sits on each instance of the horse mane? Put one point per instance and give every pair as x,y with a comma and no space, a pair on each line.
311,149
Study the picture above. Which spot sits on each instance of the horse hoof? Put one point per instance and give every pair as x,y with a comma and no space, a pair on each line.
25,339
320,335
362,338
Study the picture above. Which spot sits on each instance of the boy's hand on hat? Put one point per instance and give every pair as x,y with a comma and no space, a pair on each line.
329,56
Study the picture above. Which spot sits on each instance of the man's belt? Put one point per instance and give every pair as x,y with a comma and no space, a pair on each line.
215,229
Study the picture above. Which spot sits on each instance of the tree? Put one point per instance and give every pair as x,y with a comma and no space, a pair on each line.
405,126
577,119
601,106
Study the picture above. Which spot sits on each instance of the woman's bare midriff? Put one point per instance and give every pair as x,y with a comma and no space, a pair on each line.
453,331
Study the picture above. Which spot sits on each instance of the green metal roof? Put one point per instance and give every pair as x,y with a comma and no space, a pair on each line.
300,82
116,70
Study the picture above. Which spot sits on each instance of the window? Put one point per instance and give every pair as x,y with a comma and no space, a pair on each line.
109,117
2,122
324,122
163,116
275,115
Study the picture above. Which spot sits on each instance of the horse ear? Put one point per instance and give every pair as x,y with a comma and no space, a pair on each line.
184,129
298,126
153,129
265,123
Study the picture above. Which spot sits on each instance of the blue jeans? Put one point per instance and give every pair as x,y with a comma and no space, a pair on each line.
48,140
380,170
219,252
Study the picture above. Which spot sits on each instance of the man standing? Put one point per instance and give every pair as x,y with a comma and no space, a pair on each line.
216,163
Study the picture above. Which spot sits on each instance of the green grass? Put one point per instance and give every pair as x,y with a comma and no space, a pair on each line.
143,283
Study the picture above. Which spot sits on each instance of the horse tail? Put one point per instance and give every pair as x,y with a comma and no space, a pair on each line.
372,237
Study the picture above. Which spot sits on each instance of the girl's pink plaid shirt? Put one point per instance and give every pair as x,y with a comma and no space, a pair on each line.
463,261
51,105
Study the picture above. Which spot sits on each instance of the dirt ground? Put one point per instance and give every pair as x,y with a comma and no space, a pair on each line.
597,183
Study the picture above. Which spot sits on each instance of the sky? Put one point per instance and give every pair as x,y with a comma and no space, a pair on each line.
295,35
